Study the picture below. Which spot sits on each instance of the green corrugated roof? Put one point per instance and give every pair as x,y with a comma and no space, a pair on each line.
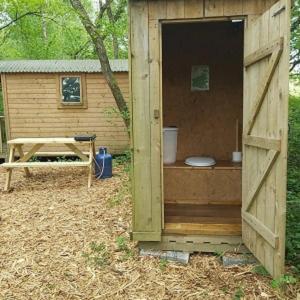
60,66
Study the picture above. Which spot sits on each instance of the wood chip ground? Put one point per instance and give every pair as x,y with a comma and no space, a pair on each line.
60,240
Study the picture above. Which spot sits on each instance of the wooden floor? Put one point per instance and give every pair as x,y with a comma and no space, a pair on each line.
202,219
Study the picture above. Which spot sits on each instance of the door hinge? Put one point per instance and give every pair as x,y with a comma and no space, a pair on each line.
156,114
279,11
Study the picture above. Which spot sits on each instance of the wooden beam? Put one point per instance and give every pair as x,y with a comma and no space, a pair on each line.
78,152
261,229
263,89
147,236
28,154
263,52
265,143
265,170
20,150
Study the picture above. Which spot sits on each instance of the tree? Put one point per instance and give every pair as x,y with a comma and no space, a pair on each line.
95,31
295,38
42,29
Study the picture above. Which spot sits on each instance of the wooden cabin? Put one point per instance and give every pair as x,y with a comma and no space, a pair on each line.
201,65
63,98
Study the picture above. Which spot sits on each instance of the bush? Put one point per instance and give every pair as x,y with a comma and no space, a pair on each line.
293,195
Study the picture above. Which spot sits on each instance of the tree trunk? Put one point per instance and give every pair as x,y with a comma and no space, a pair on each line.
102,55
114,38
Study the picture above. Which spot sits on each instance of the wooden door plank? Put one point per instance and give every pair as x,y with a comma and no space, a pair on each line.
263,89
282,113
265,170
263,52
265,143
261,229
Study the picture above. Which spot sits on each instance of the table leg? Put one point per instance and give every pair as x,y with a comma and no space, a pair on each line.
9,171
94,157
20,150
91,155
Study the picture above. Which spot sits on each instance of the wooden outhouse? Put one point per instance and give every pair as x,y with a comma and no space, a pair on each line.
63,98
201,65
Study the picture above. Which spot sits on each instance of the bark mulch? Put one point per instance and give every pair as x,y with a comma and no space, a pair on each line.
60,240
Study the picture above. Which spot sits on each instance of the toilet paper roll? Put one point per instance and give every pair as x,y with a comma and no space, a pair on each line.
236,156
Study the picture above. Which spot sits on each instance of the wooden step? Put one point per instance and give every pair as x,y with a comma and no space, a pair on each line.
203,229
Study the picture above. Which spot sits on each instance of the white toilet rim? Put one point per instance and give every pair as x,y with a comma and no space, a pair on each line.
200,161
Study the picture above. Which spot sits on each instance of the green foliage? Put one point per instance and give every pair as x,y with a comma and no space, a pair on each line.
52,30
260,270
293,196
283,281
118,198
239,294
123,160
295,37
163,263
122,245
97,256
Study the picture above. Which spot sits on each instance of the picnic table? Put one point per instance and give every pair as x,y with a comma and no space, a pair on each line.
37,143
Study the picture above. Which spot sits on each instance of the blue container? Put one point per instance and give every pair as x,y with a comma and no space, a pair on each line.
103,164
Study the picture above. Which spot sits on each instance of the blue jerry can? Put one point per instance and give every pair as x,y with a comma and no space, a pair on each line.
103,164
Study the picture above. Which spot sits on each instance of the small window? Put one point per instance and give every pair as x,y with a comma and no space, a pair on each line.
71,90
200,78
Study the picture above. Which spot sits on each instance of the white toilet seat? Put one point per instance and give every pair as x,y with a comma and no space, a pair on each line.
200,161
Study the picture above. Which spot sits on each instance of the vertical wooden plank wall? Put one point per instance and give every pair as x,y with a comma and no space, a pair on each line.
147,205
146,91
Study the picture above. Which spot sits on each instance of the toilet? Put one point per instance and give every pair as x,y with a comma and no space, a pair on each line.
200,161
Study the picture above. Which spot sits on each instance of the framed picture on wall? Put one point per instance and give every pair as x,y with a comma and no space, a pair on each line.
200,78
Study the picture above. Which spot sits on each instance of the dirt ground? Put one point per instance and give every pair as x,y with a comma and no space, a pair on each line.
60,240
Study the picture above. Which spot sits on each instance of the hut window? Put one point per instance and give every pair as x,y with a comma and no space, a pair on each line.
71,91
200,78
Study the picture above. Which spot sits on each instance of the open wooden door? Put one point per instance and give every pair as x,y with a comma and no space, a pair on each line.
265,127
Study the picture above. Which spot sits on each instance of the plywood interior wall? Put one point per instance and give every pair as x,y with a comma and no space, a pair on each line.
32,110
206,119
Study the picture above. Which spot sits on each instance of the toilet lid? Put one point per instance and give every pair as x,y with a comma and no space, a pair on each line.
198,161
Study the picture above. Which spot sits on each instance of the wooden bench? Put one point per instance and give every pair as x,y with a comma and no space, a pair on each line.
23,161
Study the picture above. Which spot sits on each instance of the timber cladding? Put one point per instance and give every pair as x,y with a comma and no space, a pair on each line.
32,110
265,116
